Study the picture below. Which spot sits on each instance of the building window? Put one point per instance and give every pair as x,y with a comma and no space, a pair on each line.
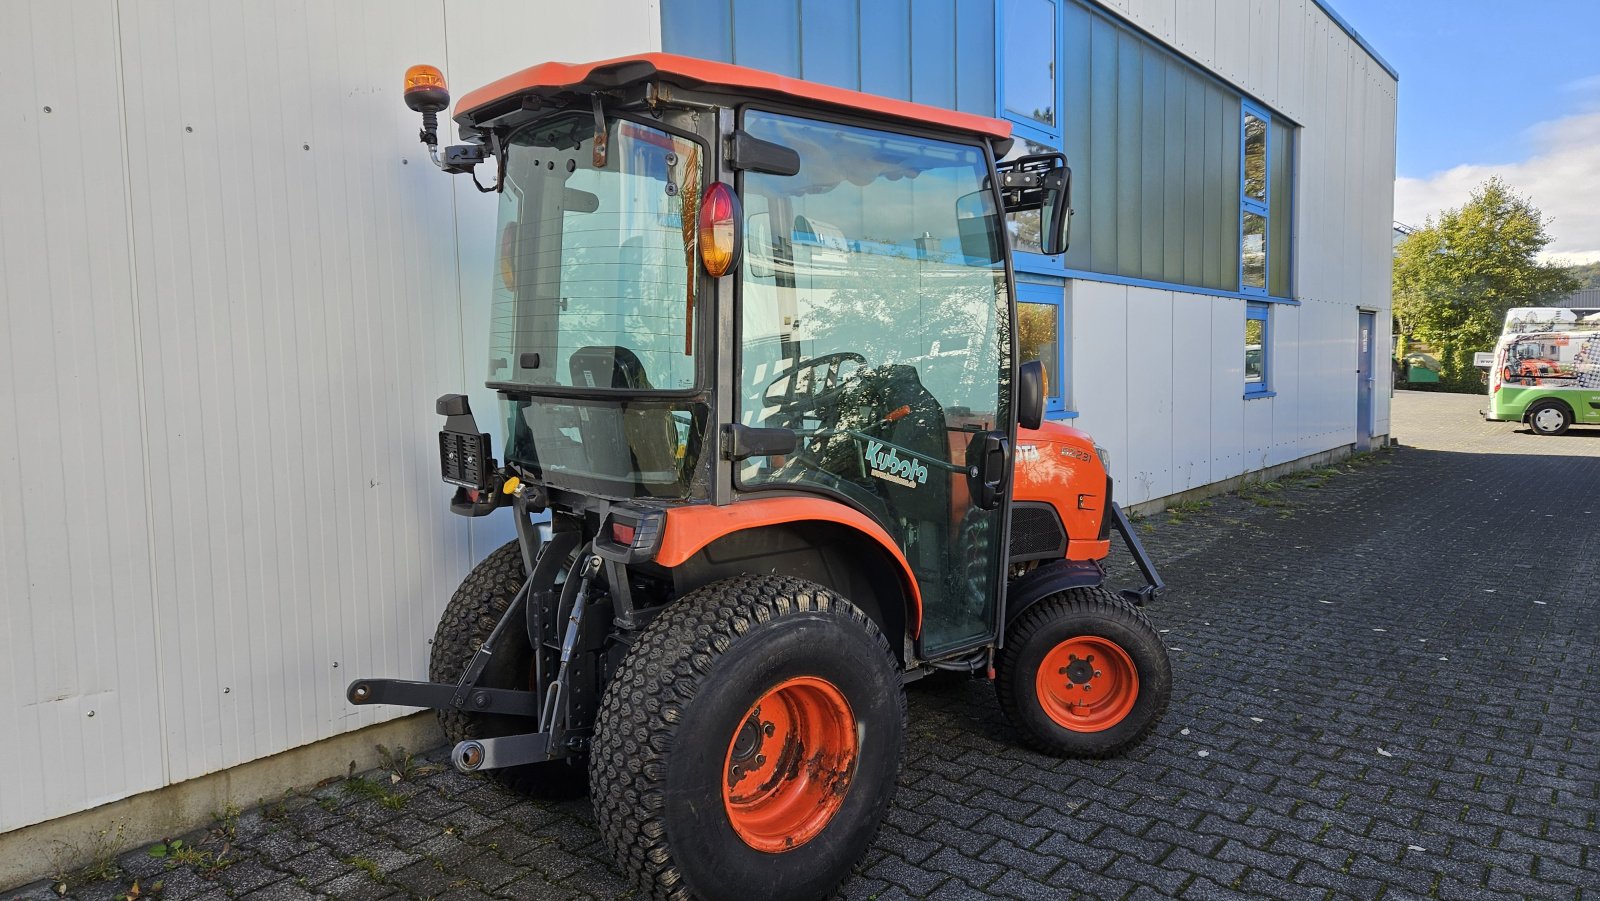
1028,63
1254,206
1039,329
1257,348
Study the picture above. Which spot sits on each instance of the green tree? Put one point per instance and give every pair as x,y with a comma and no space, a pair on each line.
1587,274
1455,278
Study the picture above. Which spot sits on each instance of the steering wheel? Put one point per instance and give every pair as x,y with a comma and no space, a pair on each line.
824,385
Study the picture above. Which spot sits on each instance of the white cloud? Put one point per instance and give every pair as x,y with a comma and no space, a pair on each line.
1562,178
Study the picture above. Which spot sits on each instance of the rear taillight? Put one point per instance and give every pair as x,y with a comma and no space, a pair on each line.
622,534
719,230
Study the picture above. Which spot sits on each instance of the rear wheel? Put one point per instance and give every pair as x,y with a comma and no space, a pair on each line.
749,744
467,621
1549,418
1083,674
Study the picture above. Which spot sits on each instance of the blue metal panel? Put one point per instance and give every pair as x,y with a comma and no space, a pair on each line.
975,60
886,48
830,39
766,35
933,52
702,28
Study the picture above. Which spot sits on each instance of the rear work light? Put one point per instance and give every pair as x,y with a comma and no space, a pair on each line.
719,237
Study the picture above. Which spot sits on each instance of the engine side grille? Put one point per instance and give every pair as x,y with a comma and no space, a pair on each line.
1036,532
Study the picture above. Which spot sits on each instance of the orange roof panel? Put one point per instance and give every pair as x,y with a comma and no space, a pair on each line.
552,78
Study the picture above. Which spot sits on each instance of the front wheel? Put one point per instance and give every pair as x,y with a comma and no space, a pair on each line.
1549,418
749,744
1083,674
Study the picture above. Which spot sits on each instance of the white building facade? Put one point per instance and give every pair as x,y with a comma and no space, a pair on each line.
233,286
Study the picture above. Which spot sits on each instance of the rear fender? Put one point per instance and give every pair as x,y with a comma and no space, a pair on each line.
812,538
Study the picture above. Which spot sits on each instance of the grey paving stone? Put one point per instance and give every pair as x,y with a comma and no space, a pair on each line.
1489,760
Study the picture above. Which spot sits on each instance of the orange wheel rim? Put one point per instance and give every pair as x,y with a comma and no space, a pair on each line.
789,764
1087,684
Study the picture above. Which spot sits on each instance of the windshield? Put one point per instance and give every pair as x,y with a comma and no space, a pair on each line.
594,284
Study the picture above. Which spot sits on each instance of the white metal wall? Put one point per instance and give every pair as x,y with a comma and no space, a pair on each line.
1138,354
232,288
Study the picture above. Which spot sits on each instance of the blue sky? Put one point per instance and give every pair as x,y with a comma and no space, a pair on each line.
1491,87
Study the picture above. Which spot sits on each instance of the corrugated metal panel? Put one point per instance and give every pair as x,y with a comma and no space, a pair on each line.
1152,359
1227,388
939,52
1097,327
78,636
1156,161
232,291
1191,391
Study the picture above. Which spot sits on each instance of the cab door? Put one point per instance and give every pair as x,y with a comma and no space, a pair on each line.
874,324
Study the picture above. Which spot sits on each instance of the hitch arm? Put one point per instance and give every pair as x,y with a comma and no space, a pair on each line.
405,693
1141,558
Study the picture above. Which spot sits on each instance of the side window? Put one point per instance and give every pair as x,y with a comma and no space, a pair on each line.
1257,348
1039,337
1028,66
1254,210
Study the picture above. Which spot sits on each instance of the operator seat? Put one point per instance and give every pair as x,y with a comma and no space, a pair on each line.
891,403
649,433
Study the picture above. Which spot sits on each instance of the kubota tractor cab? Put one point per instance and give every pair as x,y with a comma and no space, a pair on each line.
754,343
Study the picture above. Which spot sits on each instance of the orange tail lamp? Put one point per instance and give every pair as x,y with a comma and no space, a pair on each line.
719,237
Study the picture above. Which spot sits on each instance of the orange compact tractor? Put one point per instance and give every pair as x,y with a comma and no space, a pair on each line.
754,342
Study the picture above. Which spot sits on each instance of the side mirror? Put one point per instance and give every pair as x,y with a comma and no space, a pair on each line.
1040,182
1057,212
1030,394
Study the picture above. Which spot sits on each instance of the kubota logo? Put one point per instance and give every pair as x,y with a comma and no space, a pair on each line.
891,467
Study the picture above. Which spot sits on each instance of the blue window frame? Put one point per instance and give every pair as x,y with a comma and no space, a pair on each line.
1028,94
1257,349
1255,191
1041,335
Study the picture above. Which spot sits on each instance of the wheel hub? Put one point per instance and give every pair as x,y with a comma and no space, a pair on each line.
1079,672
1087,683
789,764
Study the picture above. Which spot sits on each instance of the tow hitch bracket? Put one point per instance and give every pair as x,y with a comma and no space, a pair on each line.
1147,567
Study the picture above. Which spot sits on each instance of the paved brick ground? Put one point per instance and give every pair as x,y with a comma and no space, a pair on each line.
1386,684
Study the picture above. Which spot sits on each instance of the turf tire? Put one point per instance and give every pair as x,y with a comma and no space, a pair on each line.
467,621
1082,611
666,720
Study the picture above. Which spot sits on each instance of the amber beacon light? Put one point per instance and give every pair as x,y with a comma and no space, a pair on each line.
425,89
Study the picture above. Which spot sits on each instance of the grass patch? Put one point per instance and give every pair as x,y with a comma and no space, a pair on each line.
370,790
1178,513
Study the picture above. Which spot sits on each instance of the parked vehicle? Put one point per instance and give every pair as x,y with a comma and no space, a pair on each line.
777,491
1546,370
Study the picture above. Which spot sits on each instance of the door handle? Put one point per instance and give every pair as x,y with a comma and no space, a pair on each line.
988,469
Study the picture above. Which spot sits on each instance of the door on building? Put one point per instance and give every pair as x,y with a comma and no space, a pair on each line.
1364,381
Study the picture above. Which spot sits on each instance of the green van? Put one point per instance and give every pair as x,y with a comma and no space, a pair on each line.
1546,370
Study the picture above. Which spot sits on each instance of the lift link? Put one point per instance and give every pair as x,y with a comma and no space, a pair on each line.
553,738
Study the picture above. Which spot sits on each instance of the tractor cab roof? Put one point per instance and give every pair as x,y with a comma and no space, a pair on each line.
557,81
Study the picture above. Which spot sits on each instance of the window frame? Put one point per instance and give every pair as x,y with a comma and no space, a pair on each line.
1055,406
1249,206
1024,128
1260,311
1022,125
